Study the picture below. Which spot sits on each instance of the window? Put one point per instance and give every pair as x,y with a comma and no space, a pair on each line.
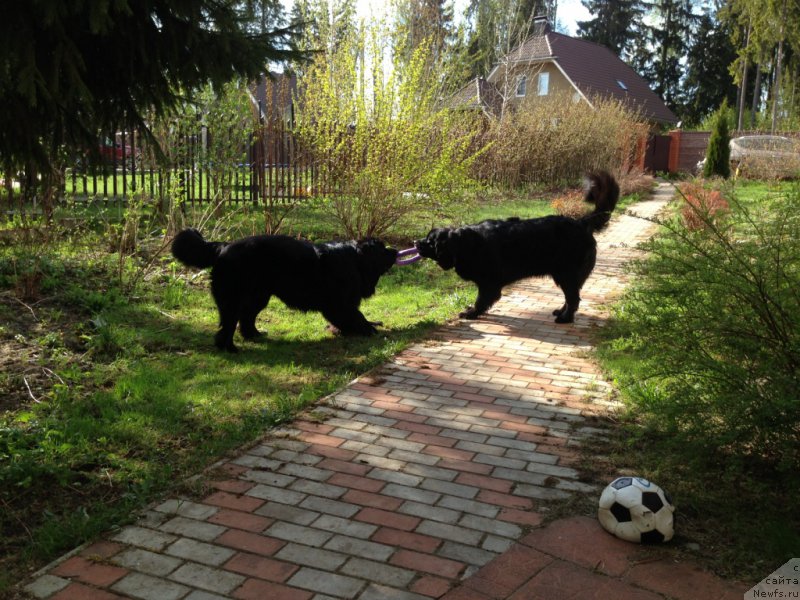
522,86
544,83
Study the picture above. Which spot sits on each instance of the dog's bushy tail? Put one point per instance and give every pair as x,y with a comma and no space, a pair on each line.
603,192
193,250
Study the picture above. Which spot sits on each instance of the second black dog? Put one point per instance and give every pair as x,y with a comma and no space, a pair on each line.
331,278
495,253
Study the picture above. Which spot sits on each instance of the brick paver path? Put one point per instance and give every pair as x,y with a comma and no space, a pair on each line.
423,481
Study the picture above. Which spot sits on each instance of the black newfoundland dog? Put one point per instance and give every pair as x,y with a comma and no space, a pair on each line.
495,253
331,278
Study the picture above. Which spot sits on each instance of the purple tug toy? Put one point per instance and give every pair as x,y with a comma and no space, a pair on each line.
401,260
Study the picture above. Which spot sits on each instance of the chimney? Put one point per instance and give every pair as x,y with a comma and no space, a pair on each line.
541,25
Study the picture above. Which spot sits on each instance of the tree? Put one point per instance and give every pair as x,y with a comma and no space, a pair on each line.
718,153
614,24
708,81
661,48
69,70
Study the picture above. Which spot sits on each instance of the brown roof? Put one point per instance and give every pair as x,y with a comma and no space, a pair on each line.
594,70
477,94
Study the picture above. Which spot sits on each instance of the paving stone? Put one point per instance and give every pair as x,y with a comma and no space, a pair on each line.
46,585
446,531
376,591
332,507
206,578
276,494
411,493
147,562
344,526
193,529
360,547
186,508
492,526
285,512
474,507
339,586
468,554
260,566
378,572
257,589
311,557
297,533
207,554
269,478
451,489
144,538
424,511
145,587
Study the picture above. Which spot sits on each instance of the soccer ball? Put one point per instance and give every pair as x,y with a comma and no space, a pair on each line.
636,510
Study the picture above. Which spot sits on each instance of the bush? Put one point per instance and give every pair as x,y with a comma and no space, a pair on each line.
556,140
379,140
718,152
702,206
714,315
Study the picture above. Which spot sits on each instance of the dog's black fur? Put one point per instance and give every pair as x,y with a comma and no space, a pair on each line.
331,278
495,253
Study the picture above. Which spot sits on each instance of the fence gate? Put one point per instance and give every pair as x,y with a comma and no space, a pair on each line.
656,155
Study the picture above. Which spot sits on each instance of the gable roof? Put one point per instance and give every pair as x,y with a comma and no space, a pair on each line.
593,69
478,93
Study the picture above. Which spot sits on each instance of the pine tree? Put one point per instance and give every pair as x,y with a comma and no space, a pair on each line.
661,48
708,80
614,24
718,153
69,70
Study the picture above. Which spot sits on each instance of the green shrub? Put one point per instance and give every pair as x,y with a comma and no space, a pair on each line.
718,153
714,317
379,139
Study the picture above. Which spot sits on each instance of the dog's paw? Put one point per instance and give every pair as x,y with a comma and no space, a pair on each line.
253,335
562,318
470,313
376,323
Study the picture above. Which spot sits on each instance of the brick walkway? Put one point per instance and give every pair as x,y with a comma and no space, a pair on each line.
426,479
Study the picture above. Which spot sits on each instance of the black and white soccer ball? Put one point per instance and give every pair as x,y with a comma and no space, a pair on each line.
636,510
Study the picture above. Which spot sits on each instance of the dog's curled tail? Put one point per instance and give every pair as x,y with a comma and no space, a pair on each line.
603,192
193,250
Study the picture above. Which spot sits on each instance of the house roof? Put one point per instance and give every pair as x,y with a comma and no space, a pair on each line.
478,94
593,69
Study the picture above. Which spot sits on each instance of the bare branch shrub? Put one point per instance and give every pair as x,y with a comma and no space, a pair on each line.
555,139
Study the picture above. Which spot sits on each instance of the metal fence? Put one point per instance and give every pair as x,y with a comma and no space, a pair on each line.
274,168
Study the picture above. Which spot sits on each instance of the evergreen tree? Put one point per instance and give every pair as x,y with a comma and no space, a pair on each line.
718,153
661,48
708,80
614,23
69,70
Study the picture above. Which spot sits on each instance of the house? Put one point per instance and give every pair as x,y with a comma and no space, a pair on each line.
550,63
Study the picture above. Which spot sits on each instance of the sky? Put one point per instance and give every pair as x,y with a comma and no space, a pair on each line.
569,11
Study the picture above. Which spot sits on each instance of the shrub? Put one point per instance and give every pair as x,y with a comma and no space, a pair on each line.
379,139
556,140
702,206
718,153
714,315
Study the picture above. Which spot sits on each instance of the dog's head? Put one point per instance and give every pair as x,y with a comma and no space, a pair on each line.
439,245
374,259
